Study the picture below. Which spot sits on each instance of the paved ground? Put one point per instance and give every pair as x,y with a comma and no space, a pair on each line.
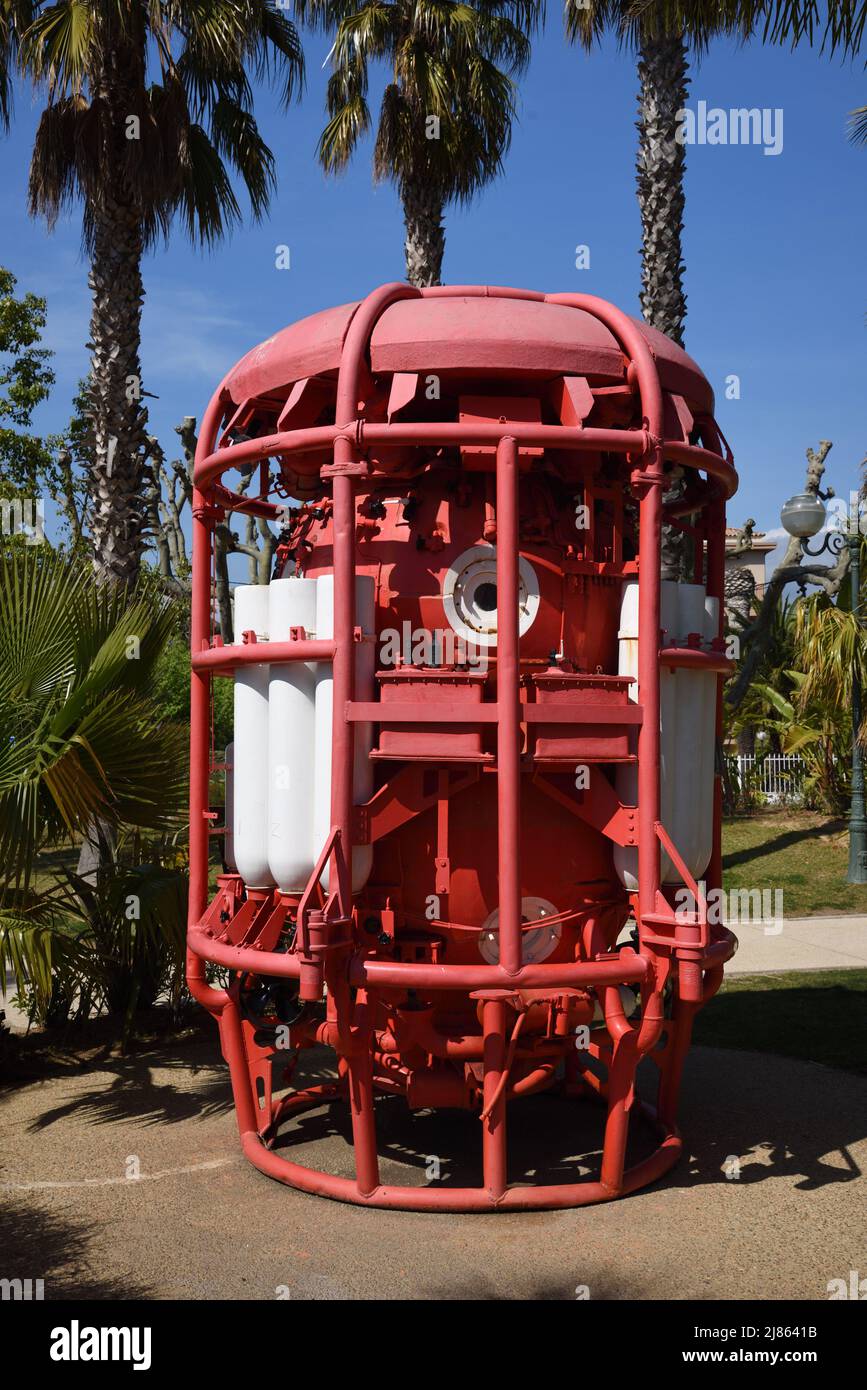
800,943
202,1224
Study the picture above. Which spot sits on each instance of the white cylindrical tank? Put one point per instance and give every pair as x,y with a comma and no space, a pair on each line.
229,809
291,721
708,738
687,724
362,858
250,779
691,824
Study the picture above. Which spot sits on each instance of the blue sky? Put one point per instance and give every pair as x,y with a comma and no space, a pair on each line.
774,248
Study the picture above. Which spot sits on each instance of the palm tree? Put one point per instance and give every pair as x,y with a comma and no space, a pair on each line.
812,728
445,121
661,33
84,736
137,153
832,647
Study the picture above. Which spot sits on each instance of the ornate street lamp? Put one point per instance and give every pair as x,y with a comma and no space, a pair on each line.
803,516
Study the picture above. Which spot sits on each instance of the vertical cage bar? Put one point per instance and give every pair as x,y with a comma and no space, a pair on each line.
508,710
494,1161
200,708
650,533
343,730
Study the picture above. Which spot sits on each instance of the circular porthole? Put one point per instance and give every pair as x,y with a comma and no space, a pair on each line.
470,595
536,945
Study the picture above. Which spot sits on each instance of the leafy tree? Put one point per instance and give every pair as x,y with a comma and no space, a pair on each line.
26,379
445,121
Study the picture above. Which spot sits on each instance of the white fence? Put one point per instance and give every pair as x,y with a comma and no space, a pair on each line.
776,776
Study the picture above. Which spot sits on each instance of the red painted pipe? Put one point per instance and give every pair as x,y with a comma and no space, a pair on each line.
508,712
343,499
357,433
384,974
224,660
200,703
554,1196
444,434
694,659
346,464
494,1160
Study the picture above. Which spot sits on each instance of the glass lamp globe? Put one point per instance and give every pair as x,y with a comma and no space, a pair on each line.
803,515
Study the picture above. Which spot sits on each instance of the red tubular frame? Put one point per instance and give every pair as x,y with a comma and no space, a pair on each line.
661,938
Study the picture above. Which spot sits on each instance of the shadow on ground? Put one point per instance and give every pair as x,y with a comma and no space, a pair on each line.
751,1124
137,1090
780,842
36,1244
757,1132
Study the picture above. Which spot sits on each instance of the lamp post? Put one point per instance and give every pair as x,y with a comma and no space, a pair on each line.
803,516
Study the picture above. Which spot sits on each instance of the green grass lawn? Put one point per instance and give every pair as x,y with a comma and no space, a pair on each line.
803,853
813,1015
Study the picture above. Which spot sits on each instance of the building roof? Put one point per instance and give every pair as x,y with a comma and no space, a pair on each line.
759,539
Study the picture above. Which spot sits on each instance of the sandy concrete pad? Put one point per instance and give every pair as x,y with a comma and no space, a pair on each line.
200,1223
800,943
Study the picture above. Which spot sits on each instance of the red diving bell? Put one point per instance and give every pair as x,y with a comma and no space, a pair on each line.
471,803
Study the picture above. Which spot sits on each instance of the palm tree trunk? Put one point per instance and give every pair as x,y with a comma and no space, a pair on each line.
660,166
425,235
120,443
663,73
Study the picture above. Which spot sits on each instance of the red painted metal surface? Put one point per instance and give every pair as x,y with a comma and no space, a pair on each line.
412,428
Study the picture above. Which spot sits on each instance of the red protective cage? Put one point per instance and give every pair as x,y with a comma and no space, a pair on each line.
493,891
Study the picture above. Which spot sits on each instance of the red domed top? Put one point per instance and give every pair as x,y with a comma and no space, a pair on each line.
490,332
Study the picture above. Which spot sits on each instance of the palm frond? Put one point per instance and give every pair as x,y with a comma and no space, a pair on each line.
350,117
195,124
83,736
280,55
205,199
60,44
64,158
832,645
839,24
16,17
858,126
236,138
451,60
636,21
